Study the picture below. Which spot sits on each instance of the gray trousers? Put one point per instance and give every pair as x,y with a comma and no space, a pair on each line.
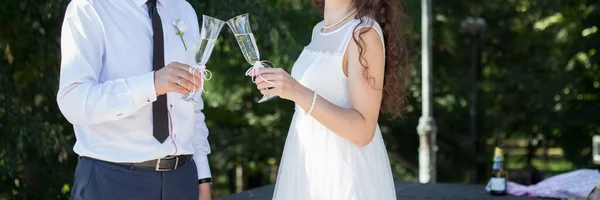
96,180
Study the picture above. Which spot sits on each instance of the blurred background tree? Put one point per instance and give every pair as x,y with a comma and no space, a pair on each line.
539,89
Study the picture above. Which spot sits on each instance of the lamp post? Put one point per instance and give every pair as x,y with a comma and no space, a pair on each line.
427,128
473,29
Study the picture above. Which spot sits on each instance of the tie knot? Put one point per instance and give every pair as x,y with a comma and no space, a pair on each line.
151,3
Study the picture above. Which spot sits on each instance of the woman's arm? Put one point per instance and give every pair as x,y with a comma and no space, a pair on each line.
357,123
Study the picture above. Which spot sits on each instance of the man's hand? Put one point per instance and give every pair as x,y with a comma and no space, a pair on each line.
175,77
205,191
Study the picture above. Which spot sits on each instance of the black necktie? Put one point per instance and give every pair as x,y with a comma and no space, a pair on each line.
159,107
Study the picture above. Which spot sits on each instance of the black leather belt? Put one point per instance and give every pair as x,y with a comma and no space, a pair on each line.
163,164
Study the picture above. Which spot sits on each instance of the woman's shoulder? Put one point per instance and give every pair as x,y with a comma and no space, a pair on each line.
370,24
367,22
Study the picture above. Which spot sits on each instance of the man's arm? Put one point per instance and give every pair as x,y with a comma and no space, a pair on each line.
81,98
200,143
202,149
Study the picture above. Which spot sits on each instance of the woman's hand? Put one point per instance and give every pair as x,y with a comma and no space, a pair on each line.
276,81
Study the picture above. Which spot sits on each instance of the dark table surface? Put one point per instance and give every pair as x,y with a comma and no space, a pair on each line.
404,190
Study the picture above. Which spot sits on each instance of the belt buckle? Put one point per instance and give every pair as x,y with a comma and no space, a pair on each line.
157,168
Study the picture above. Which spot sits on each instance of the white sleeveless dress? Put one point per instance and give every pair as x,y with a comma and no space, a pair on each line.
316,162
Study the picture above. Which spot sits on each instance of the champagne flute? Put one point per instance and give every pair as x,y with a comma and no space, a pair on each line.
240,26
211,27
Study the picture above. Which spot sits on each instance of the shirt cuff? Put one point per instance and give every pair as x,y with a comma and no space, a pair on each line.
142,89
202,167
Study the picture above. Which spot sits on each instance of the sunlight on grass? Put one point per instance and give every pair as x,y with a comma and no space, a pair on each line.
555,164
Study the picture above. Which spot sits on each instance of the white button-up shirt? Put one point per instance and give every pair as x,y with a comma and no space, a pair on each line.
107,82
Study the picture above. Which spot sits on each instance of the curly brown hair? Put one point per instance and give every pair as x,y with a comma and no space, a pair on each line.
392,19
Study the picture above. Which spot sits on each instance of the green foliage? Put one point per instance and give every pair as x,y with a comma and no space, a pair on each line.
539,80
539,77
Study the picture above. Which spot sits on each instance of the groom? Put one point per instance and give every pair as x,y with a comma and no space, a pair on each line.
123,72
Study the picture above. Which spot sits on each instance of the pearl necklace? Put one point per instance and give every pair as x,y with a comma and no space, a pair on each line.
341,20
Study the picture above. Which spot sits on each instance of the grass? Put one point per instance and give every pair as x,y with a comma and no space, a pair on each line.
555,164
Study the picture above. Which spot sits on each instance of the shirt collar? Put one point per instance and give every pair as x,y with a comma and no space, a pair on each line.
143,2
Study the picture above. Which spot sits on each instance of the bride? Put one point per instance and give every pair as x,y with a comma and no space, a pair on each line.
355,66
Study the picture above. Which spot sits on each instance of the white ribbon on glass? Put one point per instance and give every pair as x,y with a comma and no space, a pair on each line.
255,69
204,73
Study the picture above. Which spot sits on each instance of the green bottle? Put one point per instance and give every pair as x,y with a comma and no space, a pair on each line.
499,177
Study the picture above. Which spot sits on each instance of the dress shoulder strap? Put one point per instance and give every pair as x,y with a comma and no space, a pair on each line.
316,30
364,23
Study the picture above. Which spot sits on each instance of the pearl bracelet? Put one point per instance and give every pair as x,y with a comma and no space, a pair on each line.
314,101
